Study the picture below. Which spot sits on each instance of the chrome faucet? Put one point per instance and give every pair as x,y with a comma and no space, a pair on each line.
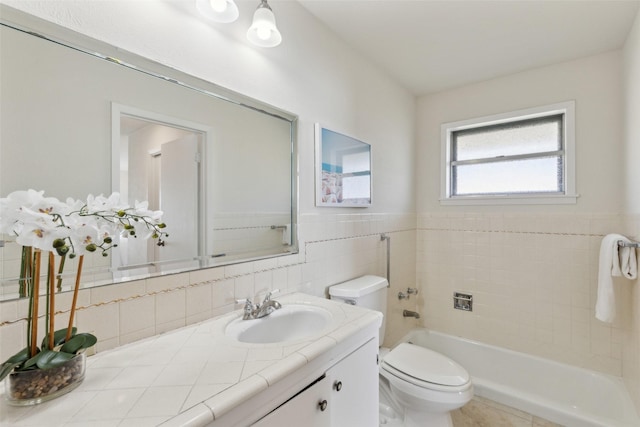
257,311
248,308
268,306
409,313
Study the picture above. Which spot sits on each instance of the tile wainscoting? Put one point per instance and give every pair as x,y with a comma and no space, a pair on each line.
631,339
333,248
533,278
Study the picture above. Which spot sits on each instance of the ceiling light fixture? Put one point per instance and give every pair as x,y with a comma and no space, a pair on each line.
263,31
224,11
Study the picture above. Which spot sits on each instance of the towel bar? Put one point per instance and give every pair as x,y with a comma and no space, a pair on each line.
624,244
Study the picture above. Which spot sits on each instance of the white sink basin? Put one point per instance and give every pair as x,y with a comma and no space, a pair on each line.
290,323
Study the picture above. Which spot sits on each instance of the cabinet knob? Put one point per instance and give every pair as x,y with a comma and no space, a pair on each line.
323,405
337,385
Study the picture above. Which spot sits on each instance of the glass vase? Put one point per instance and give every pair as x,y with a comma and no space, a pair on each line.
40,385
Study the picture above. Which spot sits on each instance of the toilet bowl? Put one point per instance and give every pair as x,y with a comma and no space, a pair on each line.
425,384
418,386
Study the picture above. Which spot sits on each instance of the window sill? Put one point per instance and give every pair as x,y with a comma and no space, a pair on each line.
510,200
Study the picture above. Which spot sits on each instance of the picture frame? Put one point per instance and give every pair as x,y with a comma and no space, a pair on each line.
343,169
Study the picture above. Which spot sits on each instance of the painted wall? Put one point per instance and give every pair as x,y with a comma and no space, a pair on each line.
312,74
532,269
631,346
593,82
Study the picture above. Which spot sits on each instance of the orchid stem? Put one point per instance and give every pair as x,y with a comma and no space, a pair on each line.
75,299
60,270
27,254
35,296
52,297
25,271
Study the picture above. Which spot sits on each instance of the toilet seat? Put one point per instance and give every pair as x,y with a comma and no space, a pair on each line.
425,368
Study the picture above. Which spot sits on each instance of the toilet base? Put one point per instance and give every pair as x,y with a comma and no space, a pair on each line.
389,417
392,416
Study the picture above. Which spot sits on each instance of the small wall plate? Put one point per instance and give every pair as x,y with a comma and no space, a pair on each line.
462,301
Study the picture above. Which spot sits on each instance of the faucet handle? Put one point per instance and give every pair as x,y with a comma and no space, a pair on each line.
248,305
248,308
268,296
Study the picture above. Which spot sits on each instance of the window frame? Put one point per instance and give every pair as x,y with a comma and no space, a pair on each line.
568,196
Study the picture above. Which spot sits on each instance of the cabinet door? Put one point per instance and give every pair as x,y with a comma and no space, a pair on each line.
354,394
309,408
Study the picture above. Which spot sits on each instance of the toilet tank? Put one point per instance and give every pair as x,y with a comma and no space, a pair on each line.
366,291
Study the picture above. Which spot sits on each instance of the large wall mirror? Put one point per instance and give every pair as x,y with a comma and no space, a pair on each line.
74,122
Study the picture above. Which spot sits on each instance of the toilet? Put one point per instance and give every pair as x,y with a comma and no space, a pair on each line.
418,386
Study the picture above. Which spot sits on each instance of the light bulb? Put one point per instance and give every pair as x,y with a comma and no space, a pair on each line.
218,10
218,5
263,32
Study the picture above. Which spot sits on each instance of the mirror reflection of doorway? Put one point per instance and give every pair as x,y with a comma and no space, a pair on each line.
160,162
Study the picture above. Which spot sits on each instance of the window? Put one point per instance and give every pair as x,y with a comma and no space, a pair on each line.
523,157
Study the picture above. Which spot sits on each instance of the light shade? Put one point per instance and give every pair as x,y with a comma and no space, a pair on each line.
224,11
263,31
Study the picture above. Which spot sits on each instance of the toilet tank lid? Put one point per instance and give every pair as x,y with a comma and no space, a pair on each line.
358,287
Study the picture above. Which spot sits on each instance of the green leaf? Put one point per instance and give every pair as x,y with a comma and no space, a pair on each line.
47,359
74,344
13,361
19,357
79,342
91,339
58,337
31,363
6,368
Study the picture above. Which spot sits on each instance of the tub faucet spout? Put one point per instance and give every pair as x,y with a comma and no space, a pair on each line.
409,313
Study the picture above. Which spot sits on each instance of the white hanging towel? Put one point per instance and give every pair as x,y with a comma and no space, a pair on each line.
286,235
614,262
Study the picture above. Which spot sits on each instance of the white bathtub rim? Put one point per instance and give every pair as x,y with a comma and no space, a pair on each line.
534,403
541,407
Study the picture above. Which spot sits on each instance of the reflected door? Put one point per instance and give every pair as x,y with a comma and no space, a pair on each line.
179,180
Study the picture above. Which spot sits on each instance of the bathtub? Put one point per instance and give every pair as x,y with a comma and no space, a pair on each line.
564,394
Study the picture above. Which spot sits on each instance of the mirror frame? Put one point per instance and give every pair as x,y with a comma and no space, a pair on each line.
37,27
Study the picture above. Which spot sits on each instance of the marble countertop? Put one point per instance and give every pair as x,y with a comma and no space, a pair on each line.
189,376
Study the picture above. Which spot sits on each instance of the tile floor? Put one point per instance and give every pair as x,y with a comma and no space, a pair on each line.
482,412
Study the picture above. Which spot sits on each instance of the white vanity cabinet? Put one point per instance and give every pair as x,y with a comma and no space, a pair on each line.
346,395
308,408
354,388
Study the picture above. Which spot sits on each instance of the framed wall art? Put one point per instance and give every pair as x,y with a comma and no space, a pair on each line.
343,170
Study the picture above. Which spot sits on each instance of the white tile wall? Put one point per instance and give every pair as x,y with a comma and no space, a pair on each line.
630,337
533,280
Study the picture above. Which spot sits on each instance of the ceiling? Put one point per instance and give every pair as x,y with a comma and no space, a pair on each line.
429,46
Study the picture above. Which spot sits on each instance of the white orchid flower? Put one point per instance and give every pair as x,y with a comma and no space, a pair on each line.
105,204
142,230
85,239
73,206
38,229
142,209
84,226
11,206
